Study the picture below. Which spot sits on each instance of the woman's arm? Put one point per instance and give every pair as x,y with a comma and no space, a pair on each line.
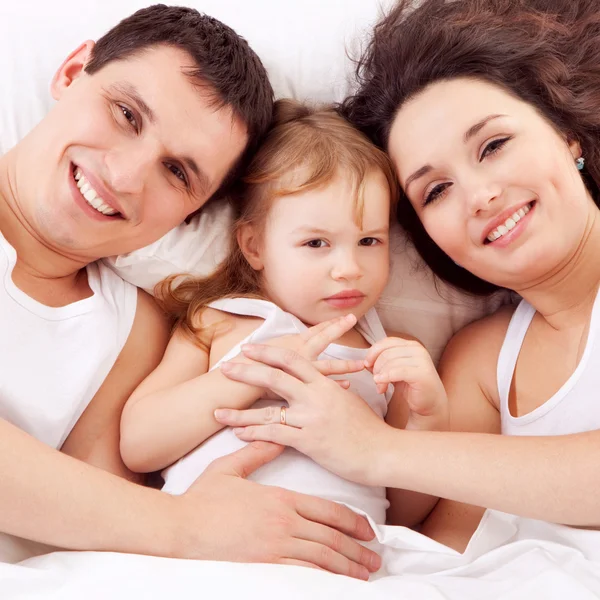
171,411
547,478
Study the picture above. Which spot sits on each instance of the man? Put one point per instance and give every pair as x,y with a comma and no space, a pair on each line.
150,123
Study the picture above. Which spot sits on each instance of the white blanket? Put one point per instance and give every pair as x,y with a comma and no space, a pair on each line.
508,558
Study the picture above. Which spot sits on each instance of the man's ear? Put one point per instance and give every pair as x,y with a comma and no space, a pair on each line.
250,246
71,69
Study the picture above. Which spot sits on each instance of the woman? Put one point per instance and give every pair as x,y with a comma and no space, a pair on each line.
490,110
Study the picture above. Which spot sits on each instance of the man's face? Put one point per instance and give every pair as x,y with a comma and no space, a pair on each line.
125,155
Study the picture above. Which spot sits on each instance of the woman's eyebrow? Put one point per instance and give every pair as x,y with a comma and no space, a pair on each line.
475,129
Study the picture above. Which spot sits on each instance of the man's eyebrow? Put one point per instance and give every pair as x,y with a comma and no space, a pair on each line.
472,131
203,180
128,89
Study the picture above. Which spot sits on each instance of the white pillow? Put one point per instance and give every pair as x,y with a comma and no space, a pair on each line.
304,45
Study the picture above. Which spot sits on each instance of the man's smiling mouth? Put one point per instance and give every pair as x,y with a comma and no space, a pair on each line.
92,197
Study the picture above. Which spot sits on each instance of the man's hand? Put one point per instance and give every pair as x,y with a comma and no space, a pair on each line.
249,522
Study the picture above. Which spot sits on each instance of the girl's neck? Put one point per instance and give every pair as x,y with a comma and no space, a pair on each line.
566,296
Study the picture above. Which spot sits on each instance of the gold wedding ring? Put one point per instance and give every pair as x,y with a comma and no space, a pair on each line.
282,416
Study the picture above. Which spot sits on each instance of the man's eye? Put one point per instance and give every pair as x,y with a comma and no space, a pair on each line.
177,172
129,116
316,243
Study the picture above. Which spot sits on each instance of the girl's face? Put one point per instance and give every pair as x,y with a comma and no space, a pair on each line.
494,184
316,261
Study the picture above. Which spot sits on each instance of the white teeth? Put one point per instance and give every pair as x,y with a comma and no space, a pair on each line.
508,224
91,196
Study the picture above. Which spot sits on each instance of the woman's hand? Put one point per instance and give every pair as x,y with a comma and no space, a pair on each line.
408,365
333,426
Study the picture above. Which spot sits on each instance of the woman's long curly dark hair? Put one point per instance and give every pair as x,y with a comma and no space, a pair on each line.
545,52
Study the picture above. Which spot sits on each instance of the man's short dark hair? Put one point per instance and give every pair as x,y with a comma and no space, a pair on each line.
225,64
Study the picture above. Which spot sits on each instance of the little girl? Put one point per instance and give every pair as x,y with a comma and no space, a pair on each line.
310,244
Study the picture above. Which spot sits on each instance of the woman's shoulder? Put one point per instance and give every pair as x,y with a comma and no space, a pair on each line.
476,347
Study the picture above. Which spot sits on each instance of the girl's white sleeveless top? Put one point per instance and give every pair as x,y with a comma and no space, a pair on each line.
575,407
54,360
291,470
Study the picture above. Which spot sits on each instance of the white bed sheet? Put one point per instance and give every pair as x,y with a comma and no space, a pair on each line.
509,558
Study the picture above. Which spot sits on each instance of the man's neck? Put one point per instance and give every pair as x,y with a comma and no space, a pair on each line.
38,263
565,297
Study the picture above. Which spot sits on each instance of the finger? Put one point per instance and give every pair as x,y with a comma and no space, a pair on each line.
260,375
390,342
319,338
299,563
287,361
285,435
245,461
252,416
338,367
381,388
343,383
340,543
327,559
337,516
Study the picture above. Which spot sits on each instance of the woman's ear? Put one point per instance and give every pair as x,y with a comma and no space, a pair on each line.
71,69
575,148
250,246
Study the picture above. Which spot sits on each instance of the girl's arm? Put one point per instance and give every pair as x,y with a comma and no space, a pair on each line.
417,387
171,411
406,508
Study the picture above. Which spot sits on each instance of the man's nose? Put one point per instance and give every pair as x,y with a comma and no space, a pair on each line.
129,167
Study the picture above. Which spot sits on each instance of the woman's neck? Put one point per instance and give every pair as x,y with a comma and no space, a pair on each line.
566,296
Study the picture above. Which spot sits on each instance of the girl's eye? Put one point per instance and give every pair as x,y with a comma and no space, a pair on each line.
316,243
129,116
177,172
436,193
369,241
493,147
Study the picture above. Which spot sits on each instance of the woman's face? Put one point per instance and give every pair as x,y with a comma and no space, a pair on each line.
494,184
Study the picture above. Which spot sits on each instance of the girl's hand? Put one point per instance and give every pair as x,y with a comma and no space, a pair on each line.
333,426
408,365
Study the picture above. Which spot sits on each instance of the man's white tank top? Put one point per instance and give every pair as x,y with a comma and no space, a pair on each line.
54,360
291,470
575,407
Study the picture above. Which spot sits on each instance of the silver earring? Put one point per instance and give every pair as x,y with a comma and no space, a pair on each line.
580,163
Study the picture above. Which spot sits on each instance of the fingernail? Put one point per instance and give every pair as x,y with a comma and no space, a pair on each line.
238,430
221,413
377,378
226,366
364,574
248,347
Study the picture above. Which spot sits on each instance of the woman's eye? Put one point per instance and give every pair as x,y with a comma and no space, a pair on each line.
177,172
493,147
436,193
369,241
129,116
316,243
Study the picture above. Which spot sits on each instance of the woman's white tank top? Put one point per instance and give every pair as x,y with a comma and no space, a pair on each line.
54,360
575,407
291,470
